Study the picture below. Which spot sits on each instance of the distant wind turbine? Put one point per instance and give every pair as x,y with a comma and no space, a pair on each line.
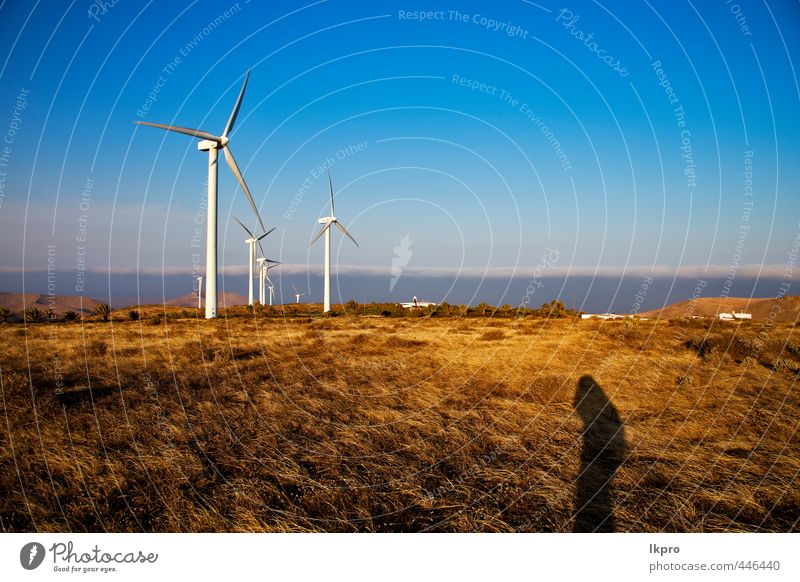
212,144
297,295
263,279
326,230
251,257
261,261
271,285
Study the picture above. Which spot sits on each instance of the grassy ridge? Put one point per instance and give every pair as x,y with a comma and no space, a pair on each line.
382,424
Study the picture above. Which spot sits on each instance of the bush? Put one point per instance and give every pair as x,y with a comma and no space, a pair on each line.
33,315
483,308
741,348
103,310
97,348
70,316
553,309
5,313
703,346
133,315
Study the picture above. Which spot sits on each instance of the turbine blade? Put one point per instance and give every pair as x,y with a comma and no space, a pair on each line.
247,230
236,172
330,184
320,233
183,130
258,240
296,292
347,234
236,107
266,233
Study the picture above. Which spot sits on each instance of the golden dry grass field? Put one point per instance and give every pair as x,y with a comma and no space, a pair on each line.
399,424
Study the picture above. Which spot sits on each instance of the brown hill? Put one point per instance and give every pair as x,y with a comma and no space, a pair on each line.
17,302
787,310
226,299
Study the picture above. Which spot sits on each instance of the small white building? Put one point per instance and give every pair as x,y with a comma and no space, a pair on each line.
603,316
734,316
414,304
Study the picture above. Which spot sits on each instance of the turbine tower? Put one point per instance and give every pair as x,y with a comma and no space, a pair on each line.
251,256
297,295
261,261
200,292
326,230
212,144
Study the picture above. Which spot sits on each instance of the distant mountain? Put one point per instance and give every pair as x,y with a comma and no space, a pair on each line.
785,310
17,302
227,299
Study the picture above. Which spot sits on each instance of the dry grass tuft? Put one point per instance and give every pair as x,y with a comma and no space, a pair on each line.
400,342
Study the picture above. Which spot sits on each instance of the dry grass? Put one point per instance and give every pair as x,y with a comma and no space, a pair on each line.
373,424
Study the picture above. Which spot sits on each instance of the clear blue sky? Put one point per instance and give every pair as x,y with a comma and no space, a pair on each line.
556,149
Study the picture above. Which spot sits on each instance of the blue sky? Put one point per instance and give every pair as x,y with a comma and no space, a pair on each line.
488,133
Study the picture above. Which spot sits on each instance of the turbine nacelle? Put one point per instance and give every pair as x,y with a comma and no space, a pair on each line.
208,144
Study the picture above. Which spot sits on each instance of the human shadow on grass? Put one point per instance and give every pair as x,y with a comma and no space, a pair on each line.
601,455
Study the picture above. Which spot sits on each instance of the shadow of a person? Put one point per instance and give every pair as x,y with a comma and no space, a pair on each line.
602,453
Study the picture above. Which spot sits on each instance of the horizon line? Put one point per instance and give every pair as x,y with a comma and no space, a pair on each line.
686,271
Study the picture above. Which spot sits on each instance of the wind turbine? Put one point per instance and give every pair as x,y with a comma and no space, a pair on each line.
297,295
326,230
251,257
261,261
271,284
200,292
263,278
212,144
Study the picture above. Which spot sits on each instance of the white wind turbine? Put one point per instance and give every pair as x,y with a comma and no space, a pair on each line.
212,144
263,279
297,295
326,230
261,262
251,257
200,292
